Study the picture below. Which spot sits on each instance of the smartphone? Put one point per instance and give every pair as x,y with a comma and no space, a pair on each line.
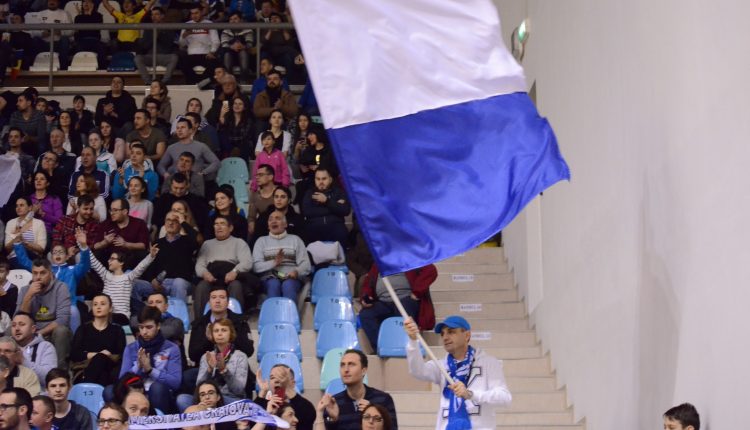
225,103
280,392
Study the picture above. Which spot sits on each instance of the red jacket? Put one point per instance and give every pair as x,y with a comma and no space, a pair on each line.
420,281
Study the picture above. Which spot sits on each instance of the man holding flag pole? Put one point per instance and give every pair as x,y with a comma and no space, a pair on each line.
438,143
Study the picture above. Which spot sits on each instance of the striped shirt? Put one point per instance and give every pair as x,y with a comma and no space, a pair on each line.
119,287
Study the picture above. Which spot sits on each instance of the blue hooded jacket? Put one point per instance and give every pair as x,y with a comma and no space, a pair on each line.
69,274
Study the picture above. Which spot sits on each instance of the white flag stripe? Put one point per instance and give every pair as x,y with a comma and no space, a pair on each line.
381,59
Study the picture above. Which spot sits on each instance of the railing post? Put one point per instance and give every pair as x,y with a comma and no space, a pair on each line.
51,57
153,56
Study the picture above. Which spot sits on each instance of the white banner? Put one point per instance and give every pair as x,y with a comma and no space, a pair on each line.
239,410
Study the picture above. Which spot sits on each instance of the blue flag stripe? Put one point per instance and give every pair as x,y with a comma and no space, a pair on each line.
433,184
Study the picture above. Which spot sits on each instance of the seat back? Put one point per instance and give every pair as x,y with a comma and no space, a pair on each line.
90,396
42,60
288,359
179,309
107,18
392,338
335,386
330,368
333,308
84,62
278,310
329,282
234,306
336,334
232,167
279,337
122,62
75,318
71,7
20,278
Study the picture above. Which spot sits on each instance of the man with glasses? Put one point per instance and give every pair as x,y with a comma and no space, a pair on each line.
69,415
122,233
13,374
15,409
170,273
48,300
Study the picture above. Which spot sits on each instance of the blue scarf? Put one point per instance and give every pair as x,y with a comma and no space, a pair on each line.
458,415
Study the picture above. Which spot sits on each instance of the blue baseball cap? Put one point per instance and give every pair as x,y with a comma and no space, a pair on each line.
453,321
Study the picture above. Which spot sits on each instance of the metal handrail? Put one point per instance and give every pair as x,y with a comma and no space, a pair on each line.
257,26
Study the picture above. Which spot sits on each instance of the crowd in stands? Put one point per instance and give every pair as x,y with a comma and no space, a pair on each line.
117,210
186,48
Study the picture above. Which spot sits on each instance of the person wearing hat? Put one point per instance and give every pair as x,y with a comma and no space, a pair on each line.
479,383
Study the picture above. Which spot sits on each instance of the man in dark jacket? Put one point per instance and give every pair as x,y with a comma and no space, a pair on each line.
117,105
166,50
69,415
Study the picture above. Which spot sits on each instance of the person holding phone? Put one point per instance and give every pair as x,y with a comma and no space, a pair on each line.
282,385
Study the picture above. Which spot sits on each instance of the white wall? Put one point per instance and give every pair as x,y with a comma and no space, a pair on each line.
645,254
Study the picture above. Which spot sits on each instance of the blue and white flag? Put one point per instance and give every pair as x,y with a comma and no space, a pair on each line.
439,145
235,411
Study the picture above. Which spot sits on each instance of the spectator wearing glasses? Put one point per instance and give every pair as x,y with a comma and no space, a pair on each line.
15,409
13,374
113,417
122,233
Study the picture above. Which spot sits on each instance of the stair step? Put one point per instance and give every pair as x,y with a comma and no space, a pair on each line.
503,418
502,353
505,427
476,309
496,281
479,255
522,402
498,339
486,296
472,268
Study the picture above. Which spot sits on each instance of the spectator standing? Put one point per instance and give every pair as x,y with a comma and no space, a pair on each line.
166,50
117,105
479,383
235,125
200,47
98,345
48,299
89,40
281,260
61,39
126,39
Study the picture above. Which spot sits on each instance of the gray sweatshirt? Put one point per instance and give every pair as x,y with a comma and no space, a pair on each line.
50,305
39,356
205,160
295,255
232,249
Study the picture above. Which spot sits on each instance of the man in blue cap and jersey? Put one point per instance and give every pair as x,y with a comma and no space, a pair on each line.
479,384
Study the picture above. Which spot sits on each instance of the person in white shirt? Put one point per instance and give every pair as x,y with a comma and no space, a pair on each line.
198,48
479,383
54,15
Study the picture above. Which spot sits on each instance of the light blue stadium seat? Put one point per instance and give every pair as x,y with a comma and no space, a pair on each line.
234,306
392,338
75,318
159,413
339,268
278,310
289,359
88,395
232,168
330,368
335,386
332,308
336,334
279,338
329,282
179,309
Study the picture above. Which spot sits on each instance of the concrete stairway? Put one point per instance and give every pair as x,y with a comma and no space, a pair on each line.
478,286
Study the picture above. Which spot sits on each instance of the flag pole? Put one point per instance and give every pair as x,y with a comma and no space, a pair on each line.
421,340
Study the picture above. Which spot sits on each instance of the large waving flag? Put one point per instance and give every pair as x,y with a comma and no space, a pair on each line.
439,144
